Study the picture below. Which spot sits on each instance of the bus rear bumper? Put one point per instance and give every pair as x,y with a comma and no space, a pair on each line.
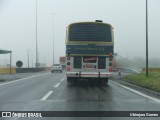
89,74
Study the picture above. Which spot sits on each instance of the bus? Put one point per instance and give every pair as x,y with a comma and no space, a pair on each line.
89,51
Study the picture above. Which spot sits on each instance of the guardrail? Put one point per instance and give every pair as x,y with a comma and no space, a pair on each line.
151,69
22,70
7,70
27,70
126,70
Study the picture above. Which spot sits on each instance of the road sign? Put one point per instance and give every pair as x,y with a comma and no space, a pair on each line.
19,64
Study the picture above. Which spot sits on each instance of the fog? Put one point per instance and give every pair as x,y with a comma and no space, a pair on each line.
18,27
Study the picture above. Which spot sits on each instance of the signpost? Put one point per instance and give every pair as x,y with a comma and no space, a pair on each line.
19,63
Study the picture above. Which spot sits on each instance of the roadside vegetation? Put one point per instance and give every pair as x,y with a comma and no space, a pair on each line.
151,82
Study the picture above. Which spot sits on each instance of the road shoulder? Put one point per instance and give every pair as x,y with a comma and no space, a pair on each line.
121,80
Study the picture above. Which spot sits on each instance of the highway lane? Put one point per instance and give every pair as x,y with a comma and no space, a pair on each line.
50,92
16,94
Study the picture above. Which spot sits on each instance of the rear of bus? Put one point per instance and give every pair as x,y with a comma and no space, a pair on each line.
89,51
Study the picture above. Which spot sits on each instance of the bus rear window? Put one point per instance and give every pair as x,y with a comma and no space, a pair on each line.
90,32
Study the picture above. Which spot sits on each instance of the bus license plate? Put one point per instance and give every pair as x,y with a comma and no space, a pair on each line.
89,66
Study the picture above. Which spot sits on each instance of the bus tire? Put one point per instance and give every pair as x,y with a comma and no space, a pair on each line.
69,80
100,81
105,80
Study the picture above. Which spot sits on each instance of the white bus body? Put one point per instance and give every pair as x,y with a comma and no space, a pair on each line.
89,51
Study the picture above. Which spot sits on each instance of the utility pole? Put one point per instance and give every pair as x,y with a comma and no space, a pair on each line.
28,56
37,61
146,38
53,39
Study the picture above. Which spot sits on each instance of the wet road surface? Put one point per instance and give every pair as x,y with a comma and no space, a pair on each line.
50,92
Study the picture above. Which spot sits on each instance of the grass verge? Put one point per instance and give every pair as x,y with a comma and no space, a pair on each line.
151,82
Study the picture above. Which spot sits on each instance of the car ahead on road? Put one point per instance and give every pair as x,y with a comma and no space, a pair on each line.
56,67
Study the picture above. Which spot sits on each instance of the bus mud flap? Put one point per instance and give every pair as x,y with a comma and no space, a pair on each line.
99,75
79,74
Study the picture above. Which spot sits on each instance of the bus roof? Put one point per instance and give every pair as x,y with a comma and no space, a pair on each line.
90,22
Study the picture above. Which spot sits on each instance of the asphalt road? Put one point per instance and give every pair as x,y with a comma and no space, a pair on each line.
50,92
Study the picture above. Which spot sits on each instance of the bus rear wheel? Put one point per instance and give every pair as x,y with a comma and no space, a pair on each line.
103,81
70,80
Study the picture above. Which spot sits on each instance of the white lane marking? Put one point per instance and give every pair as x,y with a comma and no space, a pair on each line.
22,79
47,95
62,79
137,92
57,85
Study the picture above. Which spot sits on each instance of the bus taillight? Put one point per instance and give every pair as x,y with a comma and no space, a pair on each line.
110,61
68,68
68,59
68,63
110,64
110,69
110,54
110,58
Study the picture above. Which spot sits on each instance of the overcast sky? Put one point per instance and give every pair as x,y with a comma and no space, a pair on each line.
18,26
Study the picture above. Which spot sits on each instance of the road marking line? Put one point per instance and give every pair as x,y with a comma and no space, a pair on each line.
137,92
47,95
22,79
57,84
62,79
